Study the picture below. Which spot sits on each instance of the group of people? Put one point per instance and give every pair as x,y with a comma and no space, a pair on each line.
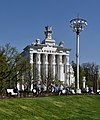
60,89
38,89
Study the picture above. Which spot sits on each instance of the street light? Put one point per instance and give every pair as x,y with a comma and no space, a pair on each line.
78,25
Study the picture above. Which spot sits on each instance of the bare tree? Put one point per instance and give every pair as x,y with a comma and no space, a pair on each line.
91,72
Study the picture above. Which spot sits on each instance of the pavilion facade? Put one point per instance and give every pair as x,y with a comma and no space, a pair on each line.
47,58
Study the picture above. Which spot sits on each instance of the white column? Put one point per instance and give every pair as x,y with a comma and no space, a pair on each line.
53,65
46,64
31,72
31,62
38,62
67,68
60,68
67,76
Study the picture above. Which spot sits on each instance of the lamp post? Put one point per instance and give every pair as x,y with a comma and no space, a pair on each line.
78,25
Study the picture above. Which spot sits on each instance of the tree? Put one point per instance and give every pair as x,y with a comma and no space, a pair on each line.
91,72
98,83
81,74
11,66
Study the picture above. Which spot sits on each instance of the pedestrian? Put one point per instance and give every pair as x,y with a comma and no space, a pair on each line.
60,89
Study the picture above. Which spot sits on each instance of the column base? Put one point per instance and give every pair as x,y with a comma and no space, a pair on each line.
78,91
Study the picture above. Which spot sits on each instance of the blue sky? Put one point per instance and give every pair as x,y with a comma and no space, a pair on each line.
23,21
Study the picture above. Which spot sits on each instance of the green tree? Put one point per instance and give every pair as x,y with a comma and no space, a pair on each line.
11,66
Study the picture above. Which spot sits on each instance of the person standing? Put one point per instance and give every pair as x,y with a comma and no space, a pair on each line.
60,89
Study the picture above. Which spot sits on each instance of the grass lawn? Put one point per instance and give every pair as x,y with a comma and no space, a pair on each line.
77,107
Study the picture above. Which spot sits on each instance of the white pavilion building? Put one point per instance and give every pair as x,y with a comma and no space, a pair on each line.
48,57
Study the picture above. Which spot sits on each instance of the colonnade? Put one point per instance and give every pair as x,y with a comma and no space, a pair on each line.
57,62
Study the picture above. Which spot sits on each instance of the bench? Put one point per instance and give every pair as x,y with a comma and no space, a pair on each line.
11,92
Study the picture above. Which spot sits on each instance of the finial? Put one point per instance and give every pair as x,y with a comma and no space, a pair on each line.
48,32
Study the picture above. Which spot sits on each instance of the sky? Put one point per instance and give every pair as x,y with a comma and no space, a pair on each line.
23,21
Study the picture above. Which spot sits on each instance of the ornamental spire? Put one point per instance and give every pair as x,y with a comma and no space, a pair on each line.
48,32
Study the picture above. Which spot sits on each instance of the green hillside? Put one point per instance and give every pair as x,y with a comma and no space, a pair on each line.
78,107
